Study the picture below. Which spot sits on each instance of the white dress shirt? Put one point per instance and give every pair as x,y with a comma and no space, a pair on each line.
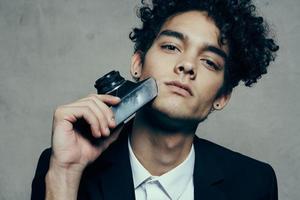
177,184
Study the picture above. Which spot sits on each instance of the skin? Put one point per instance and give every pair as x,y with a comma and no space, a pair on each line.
162,145
71,153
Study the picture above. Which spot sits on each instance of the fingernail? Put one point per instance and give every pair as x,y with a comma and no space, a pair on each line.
107,131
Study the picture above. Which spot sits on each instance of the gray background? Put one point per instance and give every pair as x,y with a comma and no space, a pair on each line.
52,51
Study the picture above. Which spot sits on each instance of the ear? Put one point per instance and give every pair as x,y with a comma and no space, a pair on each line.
136,65
221,101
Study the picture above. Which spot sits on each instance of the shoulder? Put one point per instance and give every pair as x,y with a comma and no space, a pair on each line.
38,183
43,162
225,155
239,176
234,165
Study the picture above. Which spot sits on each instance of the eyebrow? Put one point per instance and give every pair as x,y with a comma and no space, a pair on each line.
216,50
181,36
170,33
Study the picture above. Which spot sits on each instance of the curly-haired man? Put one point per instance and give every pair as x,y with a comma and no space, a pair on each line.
198,51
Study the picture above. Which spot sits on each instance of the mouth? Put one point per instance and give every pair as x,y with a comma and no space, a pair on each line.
180,88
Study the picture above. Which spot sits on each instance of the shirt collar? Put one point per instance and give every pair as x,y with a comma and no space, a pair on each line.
139,173
169,180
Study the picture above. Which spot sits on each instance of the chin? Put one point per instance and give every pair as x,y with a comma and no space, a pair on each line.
167,120
173,113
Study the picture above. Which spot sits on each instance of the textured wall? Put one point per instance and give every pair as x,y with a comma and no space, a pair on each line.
51,52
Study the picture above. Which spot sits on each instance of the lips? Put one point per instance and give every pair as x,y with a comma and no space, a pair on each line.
180,88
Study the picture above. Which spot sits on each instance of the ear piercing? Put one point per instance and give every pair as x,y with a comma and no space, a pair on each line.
136,76
215,107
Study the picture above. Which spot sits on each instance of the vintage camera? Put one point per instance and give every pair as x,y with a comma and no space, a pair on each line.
133,95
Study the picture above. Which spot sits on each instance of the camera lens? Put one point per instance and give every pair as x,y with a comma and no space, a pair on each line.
109,82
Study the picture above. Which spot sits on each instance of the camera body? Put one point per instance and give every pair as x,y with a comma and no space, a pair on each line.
133,95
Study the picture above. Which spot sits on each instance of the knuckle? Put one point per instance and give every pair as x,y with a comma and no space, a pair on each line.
87,111
89,102
94,100
102,118
58,111
95,126
111,113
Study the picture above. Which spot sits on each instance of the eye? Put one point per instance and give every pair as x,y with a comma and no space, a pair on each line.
170,47
210,64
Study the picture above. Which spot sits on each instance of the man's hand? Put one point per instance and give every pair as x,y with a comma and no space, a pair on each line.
71,152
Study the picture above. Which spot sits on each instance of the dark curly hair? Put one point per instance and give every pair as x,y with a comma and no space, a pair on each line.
246,33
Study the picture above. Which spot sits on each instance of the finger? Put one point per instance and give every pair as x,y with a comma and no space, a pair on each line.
105,143
73,113
101,115
113,137
104,108
107,99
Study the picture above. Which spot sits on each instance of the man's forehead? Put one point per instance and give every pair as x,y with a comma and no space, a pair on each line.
193,25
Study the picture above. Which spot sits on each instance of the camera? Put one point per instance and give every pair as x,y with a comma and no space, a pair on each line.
133,95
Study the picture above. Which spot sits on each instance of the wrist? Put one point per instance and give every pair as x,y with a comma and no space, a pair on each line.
63,166
62,182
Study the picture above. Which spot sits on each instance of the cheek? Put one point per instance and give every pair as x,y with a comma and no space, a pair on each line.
212,90
208,87
153,66
211,82
147,69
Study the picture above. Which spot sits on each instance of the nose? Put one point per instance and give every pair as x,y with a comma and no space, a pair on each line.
186,68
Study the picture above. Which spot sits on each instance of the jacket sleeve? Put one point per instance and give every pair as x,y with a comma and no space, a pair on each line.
273,194
38,186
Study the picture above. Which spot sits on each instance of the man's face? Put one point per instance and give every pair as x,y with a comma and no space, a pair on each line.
188,64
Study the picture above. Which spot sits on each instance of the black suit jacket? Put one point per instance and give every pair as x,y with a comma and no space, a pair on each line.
219,174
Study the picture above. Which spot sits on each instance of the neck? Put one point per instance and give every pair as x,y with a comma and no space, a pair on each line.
158,149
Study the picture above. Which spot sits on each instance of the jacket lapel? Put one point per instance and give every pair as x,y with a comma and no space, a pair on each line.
117,182
207,174
116,178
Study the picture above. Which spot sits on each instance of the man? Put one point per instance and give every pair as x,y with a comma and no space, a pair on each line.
198,51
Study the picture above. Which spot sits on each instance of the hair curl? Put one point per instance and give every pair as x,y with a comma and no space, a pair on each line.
246,33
